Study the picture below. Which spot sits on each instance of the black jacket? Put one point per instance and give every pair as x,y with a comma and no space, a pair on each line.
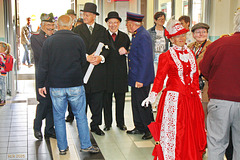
116,64
63,57
97,80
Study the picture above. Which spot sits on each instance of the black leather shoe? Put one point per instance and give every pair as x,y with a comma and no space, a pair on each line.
134,131
98,131
63,152
47,136
122,127
147,135
106,128
69,119
38,135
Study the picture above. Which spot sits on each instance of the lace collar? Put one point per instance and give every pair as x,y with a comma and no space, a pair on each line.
183,54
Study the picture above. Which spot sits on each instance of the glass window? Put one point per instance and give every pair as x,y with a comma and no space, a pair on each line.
197,11
185,7
166,7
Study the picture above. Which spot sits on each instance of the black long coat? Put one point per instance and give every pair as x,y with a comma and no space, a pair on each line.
116,64
97,81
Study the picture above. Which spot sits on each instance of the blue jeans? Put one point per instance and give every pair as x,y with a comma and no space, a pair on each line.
26,55
76,97
2,87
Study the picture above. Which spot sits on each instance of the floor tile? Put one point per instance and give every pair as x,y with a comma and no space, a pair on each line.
3,150
18,144
17,149
18,138
3,156
144,144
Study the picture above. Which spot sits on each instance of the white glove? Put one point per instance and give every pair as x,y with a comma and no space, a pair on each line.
150,99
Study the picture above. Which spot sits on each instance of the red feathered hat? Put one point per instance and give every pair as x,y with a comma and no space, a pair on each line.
174,28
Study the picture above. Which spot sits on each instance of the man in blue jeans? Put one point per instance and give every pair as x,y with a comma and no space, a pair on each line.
62,60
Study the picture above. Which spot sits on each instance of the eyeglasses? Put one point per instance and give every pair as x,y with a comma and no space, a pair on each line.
200,32
161,19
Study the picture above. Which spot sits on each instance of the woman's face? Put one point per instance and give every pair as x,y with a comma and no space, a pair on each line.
179,40
200,35
2,48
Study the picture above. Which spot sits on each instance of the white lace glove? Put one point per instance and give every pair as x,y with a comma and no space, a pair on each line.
150,99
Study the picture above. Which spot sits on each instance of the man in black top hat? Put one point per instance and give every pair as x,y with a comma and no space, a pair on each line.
116,71
44,107
93,33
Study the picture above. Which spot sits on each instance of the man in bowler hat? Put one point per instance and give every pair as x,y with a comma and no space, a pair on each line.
141,73
116,71
93,33
44,107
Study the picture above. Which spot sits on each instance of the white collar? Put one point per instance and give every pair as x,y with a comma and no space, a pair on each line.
112,33
91,25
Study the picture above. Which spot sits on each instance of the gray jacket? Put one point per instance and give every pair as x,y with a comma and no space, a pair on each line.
153,36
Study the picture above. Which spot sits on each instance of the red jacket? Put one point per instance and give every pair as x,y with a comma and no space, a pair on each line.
221,66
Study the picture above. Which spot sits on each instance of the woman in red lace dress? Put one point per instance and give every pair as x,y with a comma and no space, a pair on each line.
179,129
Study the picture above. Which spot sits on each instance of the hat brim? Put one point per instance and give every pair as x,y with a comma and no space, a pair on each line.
90,12
178,33
120,19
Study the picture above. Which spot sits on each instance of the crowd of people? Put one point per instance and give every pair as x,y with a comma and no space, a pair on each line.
197,106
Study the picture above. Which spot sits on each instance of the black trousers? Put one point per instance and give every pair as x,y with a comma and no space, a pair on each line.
44,110
95,102
142,116
120,102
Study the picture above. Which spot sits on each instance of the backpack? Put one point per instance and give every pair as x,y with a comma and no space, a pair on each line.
8,63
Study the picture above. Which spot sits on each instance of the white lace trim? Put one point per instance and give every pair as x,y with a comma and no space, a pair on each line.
169,125
179,64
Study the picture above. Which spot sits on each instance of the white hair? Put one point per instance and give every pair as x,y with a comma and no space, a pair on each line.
237,21
138,23
65,24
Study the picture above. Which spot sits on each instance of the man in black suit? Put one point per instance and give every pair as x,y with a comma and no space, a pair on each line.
93,33
116,71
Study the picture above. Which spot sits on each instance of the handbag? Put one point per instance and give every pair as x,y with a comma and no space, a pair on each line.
201,82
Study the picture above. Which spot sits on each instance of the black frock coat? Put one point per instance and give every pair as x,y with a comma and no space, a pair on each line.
117,80
97,81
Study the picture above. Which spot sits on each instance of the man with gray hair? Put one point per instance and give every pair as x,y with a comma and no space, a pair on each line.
44,107
141,73
62,61
221,67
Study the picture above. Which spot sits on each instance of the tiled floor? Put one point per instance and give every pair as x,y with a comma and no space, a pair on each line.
17,140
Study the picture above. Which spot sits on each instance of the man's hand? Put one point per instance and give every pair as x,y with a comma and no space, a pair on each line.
90,58
138,85
122,51
97,60
42,91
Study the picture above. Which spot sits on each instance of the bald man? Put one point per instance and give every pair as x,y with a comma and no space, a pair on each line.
62,60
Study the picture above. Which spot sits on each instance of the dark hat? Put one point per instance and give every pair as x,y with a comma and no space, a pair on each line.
71,11
90,7
200,25
47,17
113,14
135,17
80,20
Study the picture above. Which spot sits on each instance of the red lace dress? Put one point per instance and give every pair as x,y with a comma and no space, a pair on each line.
180,113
